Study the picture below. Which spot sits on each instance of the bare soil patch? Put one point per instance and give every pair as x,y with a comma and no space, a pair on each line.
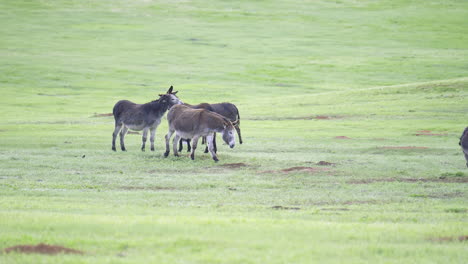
234,165
325,163
42,249
440,179
326,117
429,133
279,207
403,147
299,169
102,115
449,239
342,137
318,117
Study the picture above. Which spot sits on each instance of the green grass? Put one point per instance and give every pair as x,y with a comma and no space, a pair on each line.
383,70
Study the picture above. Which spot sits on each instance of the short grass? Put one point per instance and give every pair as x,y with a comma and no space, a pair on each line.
381,70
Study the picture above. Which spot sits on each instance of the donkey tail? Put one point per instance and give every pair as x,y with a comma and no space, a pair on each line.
237,126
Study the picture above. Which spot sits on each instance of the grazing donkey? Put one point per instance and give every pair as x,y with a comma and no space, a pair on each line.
129,115
195,123
464,144
227,110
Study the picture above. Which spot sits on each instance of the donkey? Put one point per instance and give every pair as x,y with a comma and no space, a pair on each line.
129,115
195,123
227,110
464,144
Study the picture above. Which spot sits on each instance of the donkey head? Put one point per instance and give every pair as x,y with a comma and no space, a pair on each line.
228,133
170,98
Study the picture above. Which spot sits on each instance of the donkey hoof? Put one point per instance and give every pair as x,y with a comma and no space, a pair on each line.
143,149
114,149
192,157
152,149
166,154
124,149
215,159
177,155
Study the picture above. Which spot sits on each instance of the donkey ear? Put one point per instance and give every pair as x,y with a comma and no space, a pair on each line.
174,93
170,90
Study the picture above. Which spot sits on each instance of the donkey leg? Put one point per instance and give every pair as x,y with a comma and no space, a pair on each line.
117,129
181,144
168,137
214,143
123,132
204,141
188,145
143,138
238,133
194,147
466,158
153,133
174,145
209,141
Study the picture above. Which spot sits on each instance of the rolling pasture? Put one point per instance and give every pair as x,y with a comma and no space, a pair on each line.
350,115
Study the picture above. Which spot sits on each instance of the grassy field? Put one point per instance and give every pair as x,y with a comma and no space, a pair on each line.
378,89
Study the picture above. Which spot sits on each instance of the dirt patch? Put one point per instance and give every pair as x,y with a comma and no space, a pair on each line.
234,165
42,249
449,239
299,169
403,147
305,169
325,117
279,207
429,133
102,115
342,137
325,163
279,118
440,179
318,117
145,188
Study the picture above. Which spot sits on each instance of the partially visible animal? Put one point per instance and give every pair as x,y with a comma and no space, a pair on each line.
146,117
228,110
464,144
190,123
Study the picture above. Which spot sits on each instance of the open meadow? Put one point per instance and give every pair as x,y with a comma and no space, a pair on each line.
351,113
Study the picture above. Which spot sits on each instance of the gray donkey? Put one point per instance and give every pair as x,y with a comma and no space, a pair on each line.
129,115
464,144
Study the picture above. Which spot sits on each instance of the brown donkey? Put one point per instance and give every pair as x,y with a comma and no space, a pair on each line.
228,110
195,123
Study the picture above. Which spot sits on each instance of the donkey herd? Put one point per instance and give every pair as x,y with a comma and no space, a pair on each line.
188,122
